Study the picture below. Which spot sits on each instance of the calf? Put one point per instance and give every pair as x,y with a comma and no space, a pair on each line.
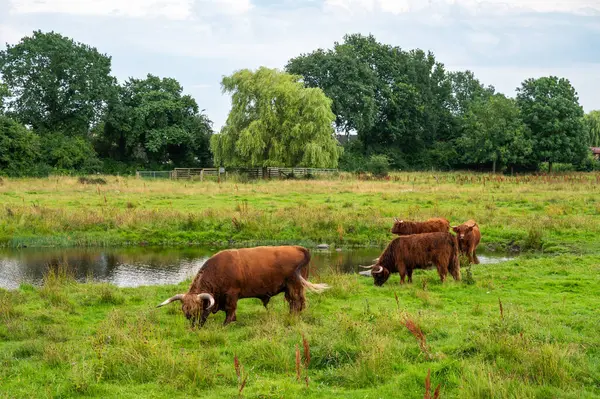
468,236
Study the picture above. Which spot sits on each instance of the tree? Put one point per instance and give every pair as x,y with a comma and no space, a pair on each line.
398,102
550,109
494,132
466,89
275,121
591,122
57,85
150,122
19,148
4,93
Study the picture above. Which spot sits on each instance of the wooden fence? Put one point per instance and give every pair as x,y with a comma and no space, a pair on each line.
221,173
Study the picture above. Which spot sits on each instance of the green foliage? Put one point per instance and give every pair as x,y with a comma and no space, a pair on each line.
4,93
19,148
65,154
57,85
550,109
466,89
494,133
275,121
591,123
397,101
150,122
378,165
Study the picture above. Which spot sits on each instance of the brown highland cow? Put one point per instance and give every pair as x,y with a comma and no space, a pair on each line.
468,236
233,274
417,251
403,227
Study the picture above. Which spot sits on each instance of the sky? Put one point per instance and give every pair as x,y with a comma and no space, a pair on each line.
199,41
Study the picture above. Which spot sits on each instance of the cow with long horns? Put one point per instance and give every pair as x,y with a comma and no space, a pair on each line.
468,236
419,251
405,227
233,274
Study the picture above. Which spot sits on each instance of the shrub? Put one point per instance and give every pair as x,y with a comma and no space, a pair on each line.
378,165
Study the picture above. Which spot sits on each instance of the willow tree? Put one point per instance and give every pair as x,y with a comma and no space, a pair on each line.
275,121
591,122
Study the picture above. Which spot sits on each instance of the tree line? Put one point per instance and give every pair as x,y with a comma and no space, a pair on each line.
61,111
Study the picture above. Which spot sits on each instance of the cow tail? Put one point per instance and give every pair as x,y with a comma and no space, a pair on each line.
318,288
454,263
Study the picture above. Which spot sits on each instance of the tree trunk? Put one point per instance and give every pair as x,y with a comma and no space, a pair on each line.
550,167
494,166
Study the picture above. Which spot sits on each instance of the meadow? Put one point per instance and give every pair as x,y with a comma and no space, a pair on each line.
558,214
525,328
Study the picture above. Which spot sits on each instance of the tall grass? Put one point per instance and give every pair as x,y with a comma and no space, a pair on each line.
559,213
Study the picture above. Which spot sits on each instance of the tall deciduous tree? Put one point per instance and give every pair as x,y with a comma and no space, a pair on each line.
591,122
467,89
4,93
275,121
397,101
19,148
151,122
550,108
56,84
494,132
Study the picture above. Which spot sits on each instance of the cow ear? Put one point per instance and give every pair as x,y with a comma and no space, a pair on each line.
455,229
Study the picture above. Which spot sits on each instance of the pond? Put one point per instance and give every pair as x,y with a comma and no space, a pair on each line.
131,267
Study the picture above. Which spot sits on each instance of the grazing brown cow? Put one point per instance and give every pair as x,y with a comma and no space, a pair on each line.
260,272
403,227
417,251
468,236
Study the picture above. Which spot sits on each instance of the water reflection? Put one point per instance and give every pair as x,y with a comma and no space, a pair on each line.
131,267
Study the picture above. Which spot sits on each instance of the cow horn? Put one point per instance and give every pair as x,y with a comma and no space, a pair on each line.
376,260
396,220
177,297
210,298
379,270
366,267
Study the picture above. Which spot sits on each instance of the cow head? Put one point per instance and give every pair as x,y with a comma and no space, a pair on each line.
396,228
380,274
192,305
462,230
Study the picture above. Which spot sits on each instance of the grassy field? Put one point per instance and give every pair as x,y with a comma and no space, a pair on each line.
526,328
556,214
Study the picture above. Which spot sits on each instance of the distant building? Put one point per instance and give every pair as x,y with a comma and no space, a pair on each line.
596,152
343,138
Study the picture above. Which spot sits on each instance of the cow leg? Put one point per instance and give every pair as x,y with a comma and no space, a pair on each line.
402,272
409,272
475,258
294,294
265,301
230,308
204,316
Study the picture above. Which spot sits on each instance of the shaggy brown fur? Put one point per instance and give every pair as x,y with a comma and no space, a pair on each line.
468,236
260,272
418,251
403,227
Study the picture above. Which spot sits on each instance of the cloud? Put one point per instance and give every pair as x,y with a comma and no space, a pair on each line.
587,7
169,9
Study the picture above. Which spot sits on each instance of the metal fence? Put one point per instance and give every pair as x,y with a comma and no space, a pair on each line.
154,174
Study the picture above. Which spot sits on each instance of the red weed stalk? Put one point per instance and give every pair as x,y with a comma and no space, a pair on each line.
436,394
306,346
419,336
297,363
241,376
501,309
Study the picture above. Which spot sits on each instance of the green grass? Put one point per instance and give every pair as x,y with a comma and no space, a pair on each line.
95,340
553,214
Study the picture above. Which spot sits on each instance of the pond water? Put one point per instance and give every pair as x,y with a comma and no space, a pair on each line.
131,267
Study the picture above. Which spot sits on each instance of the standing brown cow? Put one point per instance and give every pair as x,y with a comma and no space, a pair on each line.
260,272
417,251
468,236
403,227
